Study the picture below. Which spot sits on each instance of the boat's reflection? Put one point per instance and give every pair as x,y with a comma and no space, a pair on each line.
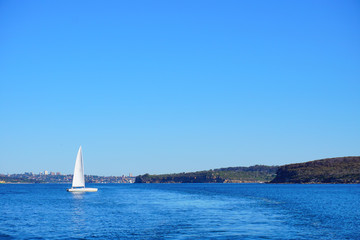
78,195
78,216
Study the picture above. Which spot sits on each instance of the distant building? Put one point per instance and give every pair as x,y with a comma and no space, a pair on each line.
52,173
58,173
46,172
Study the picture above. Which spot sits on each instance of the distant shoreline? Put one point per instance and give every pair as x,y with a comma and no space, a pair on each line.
267,183
61,179
341,170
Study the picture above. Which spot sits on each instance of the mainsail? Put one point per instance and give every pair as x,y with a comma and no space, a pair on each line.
78,178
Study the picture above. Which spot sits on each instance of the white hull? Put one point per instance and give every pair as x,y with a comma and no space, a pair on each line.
82,189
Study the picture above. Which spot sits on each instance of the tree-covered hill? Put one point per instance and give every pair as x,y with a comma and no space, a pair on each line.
257,173
331,170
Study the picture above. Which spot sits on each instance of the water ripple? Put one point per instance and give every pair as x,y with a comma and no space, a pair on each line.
180,211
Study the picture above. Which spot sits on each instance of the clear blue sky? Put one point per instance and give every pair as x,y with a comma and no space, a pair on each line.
173,86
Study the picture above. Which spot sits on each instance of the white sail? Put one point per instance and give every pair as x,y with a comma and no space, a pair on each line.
78,183
78,178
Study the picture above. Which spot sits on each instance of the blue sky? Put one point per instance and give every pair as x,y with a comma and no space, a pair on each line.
173,86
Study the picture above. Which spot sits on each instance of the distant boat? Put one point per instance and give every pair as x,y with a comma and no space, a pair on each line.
78,182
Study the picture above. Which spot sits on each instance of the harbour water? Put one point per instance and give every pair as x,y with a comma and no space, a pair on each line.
180,211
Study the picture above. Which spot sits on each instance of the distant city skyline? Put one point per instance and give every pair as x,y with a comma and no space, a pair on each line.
45,172
61,178
177,86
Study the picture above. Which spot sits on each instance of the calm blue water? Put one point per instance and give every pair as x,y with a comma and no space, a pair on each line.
180,211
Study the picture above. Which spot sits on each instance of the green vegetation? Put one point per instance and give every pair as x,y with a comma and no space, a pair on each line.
331,170
258,173
6,179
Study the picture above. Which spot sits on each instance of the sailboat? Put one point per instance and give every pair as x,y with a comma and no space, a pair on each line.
78,182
